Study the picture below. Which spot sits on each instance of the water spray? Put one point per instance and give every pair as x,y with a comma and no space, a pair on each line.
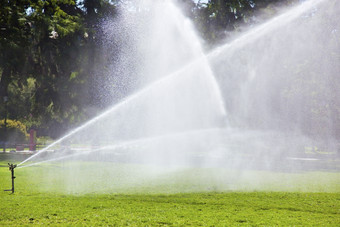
11,168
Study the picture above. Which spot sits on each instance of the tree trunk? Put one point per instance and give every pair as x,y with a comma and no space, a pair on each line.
4,82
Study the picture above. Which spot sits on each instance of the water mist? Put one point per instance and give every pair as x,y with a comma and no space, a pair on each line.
193,121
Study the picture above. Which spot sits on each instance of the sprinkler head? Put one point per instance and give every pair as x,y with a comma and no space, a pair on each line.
11,166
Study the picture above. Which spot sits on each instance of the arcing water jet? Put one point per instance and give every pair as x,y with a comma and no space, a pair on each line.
257,78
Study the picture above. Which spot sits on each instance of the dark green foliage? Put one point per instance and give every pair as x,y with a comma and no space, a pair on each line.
44,48
50,53
217,19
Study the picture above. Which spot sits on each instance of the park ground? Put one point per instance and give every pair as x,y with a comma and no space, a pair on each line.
31,205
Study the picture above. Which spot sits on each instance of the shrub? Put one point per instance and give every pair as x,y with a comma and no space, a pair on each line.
16,131
43,140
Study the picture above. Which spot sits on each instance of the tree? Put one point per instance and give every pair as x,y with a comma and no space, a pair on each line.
48,53
14,43
217,19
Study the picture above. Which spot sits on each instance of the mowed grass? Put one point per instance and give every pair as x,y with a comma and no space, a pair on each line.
207,209
163,206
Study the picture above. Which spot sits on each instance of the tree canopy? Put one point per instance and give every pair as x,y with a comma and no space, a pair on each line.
49,50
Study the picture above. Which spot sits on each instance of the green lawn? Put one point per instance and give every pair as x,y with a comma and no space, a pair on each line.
161,201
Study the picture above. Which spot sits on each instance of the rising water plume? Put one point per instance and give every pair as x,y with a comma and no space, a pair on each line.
260,102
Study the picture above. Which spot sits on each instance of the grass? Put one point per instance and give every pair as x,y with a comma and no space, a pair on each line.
162,203
256,208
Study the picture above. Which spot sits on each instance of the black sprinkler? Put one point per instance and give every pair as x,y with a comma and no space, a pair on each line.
11,168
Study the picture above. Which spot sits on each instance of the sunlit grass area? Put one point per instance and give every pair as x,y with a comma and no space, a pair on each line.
255,208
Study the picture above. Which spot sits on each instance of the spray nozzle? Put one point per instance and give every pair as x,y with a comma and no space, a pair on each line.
11,166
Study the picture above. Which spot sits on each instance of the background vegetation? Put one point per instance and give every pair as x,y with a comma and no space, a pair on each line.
50,52
16,130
